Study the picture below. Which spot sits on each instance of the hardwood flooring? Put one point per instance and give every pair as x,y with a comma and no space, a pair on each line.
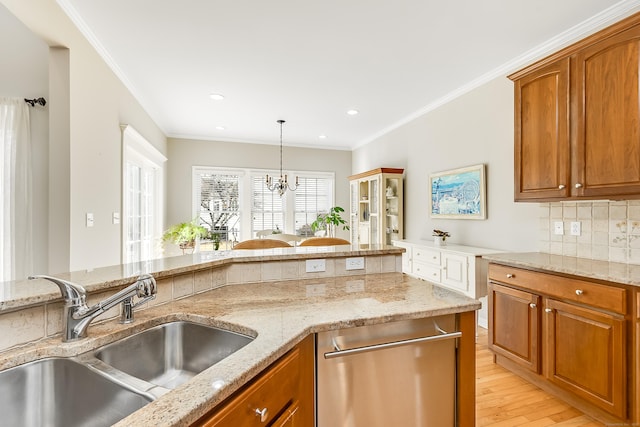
505,400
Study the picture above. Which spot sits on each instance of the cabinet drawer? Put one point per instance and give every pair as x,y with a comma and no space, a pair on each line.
427,271
427,256
602,296
274,390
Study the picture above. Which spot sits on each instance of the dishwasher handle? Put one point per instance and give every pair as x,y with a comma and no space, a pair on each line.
356,350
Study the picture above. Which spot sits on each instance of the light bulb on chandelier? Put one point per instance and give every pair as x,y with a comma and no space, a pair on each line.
282,184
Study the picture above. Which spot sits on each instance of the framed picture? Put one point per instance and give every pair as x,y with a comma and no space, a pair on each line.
458,193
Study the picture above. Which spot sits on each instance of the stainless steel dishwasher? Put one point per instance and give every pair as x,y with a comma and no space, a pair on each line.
393,374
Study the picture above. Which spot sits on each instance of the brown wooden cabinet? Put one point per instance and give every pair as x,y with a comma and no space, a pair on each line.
568,335
281,396
586,354
542,145
577,120
514,323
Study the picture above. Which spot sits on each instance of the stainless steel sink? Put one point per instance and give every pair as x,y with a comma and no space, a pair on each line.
61,392
169,355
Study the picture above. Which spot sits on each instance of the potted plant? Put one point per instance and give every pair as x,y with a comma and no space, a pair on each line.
185,234
440,237
330,221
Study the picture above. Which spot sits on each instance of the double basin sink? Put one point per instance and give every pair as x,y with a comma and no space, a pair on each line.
103,386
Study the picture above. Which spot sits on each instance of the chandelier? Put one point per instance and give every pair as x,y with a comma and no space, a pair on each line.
282,184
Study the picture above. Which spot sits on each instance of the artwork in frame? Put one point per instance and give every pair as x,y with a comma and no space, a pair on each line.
458,193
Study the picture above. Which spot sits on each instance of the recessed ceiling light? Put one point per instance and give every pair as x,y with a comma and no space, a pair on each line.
220,128
322,136
352,112
216,97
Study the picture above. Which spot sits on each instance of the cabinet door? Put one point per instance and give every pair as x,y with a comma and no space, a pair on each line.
607,159
542,144
514,318
353,214
585,354
455,272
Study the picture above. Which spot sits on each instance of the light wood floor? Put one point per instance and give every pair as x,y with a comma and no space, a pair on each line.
505,400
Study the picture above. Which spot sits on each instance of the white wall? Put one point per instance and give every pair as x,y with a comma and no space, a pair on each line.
474,128
26,75
183,154
98,103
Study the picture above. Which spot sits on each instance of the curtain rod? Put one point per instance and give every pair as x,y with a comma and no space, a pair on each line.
35,101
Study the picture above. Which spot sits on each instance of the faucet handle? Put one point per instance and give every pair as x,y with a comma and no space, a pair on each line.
147,287
72,293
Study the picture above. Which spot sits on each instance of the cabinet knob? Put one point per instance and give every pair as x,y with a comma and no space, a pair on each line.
263,414
548,310
561,187
579,292
532,305
578,185
510,276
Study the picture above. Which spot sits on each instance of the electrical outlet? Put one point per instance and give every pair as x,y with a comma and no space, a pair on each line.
315,265
558,228
356,263
576,228
115,218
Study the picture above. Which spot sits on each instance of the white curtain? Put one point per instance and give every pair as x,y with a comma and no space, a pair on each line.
15,186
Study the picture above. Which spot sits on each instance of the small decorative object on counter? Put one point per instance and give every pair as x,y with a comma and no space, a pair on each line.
440,237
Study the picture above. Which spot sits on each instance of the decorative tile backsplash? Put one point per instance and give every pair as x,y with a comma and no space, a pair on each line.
609,231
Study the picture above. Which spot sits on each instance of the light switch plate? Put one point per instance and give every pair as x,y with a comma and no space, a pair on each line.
315,265
558,228
89,219
355,263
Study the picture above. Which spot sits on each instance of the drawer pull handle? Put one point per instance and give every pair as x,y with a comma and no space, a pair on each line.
532,305
263,414
435,257
579,292
548,310
510,276
578,185
561,187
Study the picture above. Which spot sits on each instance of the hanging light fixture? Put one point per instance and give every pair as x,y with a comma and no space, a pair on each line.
282,184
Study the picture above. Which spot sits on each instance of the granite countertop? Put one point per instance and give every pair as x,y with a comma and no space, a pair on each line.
628,274
24,293
278,314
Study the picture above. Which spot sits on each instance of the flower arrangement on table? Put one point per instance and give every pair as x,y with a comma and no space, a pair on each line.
441,234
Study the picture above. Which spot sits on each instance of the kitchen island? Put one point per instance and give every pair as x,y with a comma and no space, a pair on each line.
279,313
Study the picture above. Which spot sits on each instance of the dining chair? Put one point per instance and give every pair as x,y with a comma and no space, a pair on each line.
324,241
261,244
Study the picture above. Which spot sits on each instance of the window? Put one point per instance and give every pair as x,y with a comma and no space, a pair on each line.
221,196
142,204
217,201
313,196
267,207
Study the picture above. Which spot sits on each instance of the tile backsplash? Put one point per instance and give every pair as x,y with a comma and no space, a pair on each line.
610,231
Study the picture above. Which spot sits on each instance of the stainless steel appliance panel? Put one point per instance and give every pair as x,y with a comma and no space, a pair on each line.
393,374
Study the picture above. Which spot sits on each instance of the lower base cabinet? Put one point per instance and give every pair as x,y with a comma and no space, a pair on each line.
281,396
575,338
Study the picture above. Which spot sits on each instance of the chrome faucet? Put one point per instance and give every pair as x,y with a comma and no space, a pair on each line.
78,316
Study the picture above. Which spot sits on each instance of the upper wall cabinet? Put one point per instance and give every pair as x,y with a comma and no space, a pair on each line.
577,120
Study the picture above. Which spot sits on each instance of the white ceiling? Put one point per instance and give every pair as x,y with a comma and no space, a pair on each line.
308,62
